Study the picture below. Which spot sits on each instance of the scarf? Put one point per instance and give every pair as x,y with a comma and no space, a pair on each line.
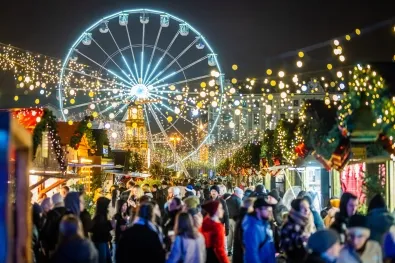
306,222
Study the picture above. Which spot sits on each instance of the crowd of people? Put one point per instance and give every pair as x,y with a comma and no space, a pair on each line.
209,223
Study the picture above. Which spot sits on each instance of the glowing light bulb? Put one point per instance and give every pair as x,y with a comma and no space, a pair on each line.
231,124
299,64
111,115
281,74
339,74
237,112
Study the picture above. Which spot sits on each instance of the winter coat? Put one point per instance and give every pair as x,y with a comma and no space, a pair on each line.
214,235
86,221
234,203
225,218
258,240
293,238
188,250
317,258
278,212
318,222
141,243
371,254
72,203
379,222
50,231
76,251
238,238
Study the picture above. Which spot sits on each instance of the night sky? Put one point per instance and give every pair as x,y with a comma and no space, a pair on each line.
252,34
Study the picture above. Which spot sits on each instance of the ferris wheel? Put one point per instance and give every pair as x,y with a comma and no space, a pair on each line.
152,59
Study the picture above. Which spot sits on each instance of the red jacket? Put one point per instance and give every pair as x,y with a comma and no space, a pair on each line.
214,235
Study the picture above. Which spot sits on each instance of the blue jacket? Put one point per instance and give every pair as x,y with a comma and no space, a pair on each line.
258,241
318,222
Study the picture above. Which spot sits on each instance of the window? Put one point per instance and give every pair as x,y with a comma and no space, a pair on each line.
296,103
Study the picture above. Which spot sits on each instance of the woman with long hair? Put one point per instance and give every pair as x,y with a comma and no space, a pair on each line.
189,244
121,220
297,230
143,242
214,233
101,229
72,245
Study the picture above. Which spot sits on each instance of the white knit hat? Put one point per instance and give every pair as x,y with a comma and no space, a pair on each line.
176,191
238,191
57,199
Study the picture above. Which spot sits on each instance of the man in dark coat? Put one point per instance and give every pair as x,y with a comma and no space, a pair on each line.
234,204
125,194
50,231
214,193
279,209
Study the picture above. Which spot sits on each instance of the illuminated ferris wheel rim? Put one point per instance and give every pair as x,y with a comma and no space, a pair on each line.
145,88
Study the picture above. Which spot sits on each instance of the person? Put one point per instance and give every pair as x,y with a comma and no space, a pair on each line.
146,189
324,246
189,191
325,210
143,242
359,249
73,246
279,208
260,190
233,203
389,246
192,206
75,204
257,234
214,195
238,252
155,192
318,222
101,229
348,207
50,231
379,220
175,207
296,230
64,191
189,244
330,214
125,195
114,197
213,232
206,191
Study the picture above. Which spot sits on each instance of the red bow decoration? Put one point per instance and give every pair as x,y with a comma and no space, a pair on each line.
301,150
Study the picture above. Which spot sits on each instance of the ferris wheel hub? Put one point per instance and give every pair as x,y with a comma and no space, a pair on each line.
141,91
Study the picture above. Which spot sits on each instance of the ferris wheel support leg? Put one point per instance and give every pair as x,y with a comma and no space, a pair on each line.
179,161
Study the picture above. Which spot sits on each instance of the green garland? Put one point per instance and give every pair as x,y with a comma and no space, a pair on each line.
82,130
48,122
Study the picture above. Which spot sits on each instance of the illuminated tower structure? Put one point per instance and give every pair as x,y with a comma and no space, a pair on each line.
136,135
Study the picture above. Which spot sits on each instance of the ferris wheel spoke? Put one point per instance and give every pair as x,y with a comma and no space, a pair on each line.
142,55
182,81
149,128
180,70
175,59
179,161
131,49
123,57
109,71
161,58
121,109
116,64
91,102
94,77
153,52
173,126
179,103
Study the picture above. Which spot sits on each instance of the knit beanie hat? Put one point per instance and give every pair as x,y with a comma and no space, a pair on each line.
322,240
211,207
275,194
57,200
216,188
259,189
192,201
377,202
